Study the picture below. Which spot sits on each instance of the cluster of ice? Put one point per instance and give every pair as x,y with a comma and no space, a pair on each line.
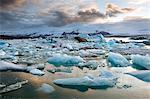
117,60
46,88
64,60
140,61
5,66
113,44
105,80
142,75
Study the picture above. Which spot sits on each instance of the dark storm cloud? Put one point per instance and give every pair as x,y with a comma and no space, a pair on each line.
62,18
28,13
10,4
112,10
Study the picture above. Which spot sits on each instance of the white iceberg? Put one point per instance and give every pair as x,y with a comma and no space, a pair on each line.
140,61
142,75
65,60
107,79
117,60
46,88
36,72
4,66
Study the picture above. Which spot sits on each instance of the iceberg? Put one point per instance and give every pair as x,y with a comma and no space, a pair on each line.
106,80
90,64
36,72
117,60
141,62
4,66
142,75
64,60
102,38
46,88
3,44
12,87
60,69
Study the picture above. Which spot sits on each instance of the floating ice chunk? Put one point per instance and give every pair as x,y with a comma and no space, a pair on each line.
68,46
65,60
84,53
88,81
102,38
90,64
107,74
4,66
37,66
46,88
60,69
36,72
2,53
3,44
142,75
12,87
140,61
117,60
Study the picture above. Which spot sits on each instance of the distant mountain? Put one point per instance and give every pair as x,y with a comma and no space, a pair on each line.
127,27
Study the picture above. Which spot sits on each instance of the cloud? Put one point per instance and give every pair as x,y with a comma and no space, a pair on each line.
138,2
59,18
10,4
53,13
112,10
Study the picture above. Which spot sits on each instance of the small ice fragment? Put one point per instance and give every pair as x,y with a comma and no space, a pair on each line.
36,72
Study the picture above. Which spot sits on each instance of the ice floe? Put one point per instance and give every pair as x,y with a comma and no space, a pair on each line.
141,62
105,80
93,64
65,60
117,60
141,74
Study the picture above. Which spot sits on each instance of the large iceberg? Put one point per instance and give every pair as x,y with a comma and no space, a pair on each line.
65,60
117,60
105,80
142,75
142,62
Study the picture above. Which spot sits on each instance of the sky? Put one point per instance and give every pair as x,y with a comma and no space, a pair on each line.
24,14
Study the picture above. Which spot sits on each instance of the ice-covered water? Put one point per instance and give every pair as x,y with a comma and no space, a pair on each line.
36,52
